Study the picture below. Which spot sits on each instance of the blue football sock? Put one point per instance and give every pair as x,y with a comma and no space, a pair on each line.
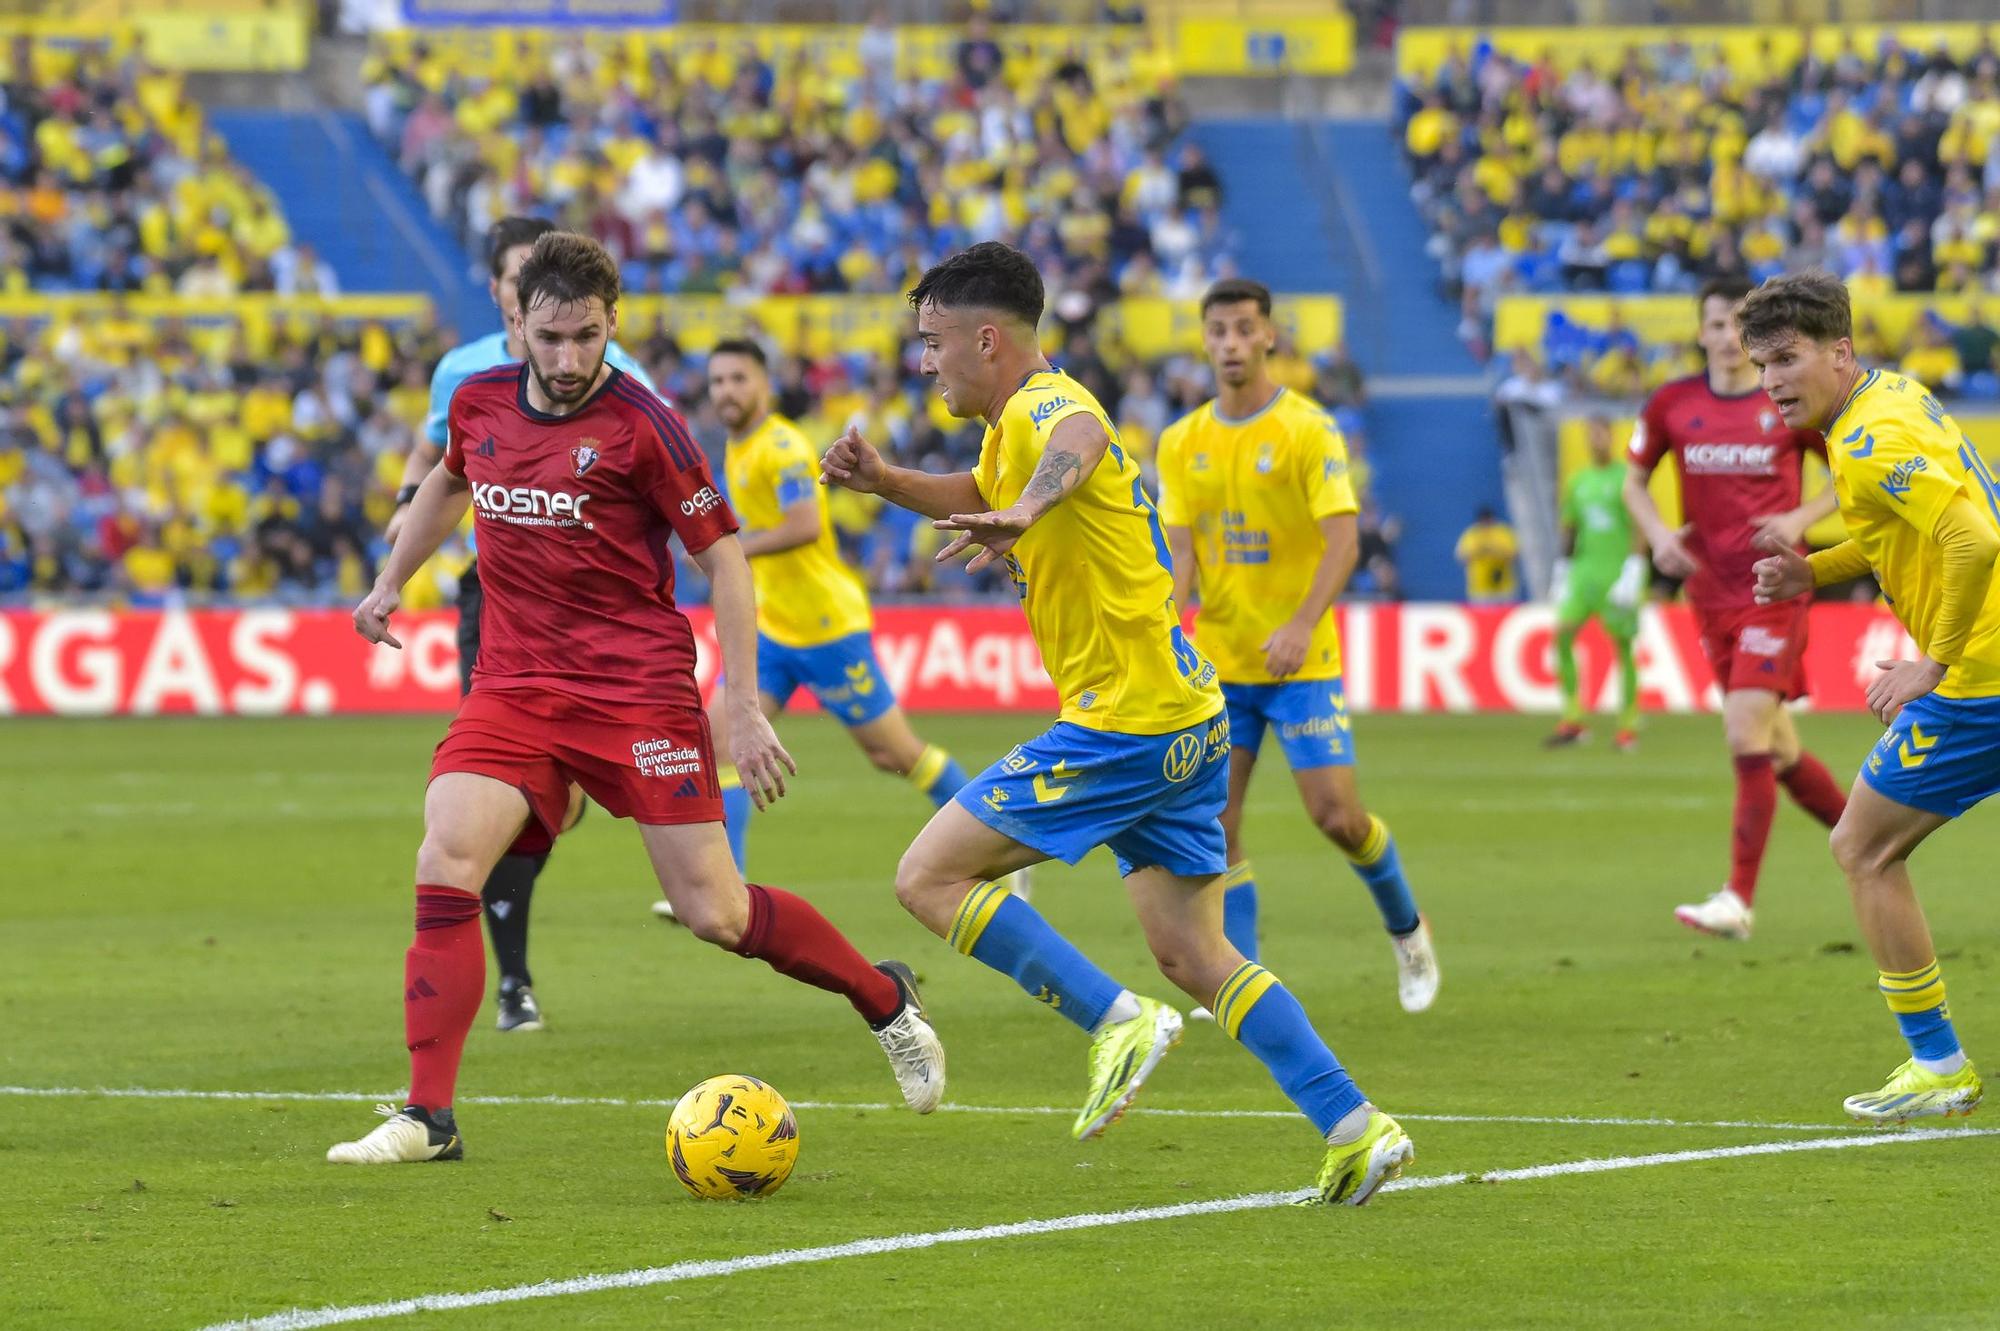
736,810
1253,1008
1382,869
938,775
1239,909
998,928
1917,1000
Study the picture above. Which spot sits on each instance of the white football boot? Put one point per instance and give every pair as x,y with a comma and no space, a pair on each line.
1724,915
406,1136
914,1050
1416,967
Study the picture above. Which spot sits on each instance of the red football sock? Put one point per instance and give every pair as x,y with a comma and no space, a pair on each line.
1756,803
444,979
793,938
1813,789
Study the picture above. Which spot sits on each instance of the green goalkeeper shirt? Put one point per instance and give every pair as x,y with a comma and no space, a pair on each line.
1594,508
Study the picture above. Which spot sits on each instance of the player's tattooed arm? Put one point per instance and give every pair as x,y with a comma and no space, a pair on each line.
1055,476
1075,447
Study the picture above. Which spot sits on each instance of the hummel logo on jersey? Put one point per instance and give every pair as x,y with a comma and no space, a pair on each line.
1868,442
486,449
687,790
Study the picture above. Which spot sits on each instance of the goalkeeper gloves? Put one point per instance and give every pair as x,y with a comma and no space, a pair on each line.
1631,585
1559,582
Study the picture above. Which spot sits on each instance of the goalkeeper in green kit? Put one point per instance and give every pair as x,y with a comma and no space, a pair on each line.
1601,573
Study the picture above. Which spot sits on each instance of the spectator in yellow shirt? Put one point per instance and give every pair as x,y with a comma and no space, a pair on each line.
1487,549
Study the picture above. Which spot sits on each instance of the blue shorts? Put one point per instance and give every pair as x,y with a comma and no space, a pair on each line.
1941,756
843,674
1153,799
1310,716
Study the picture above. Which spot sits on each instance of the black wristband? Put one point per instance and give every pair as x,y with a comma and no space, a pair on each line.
405,495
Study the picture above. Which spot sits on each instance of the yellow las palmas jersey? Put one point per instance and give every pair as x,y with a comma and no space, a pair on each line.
806,595
1253,492
1898,462
1093,575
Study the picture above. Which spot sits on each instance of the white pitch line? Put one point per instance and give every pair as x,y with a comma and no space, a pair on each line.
302,1319
618,1102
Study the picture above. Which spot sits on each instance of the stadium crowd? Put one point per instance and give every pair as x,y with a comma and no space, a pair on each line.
1674,166
704,168
148,459
153,461
110,180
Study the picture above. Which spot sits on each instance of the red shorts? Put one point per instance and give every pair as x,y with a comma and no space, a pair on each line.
654,766
1757,646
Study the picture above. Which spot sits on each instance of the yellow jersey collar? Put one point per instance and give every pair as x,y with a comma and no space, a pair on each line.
1855,396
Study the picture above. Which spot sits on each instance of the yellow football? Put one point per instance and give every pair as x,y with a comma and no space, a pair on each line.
732,1137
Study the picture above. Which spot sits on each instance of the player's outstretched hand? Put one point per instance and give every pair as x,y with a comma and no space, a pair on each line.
995,533
761,761
853,464
371,617
1783,573
1285,650
1671,555
1901,683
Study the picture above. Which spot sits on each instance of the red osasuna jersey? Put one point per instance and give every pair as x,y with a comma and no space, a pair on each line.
573,515
1738,461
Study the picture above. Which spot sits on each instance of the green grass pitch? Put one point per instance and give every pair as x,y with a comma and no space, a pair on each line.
223,906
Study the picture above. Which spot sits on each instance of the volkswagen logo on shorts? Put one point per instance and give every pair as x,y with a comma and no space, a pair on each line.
1183,758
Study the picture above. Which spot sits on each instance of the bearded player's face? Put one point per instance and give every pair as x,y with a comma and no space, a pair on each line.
738,388
566,342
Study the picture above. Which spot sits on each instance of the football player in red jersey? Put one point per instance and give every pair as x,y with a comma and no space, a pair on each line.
1740,468
578,477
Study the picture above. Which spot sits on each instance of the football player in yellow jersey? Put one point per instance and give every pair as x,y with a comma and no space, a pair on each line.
813,621
1260,516
1923,515
1138,761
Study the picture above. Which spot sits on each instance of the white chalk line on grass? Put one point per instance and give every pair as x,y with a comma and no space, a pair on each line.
302,1319
619,1102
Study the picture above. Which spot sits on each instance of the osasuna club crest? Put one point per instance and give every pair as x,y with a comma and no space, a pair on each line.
1767,421
583,457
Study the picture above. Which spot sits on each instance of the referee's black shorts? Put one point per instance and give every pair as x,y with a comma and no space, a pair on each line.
469,602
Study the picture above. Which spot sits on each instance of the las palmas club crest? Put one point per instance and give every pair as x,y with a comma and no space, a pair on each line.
583,457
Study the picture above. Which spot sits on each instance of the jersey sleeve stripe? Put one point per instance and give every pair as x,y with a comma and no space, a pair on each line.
492,375
680,446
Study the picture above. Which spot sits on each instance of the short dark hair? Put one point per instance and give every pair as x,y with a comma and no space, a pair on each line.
1732,287
510,232
1812,304
988,275
740,346
1230,290
568,269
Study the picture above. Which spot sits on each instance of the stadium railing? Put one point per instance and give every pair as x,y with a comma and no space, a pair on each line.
265,36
